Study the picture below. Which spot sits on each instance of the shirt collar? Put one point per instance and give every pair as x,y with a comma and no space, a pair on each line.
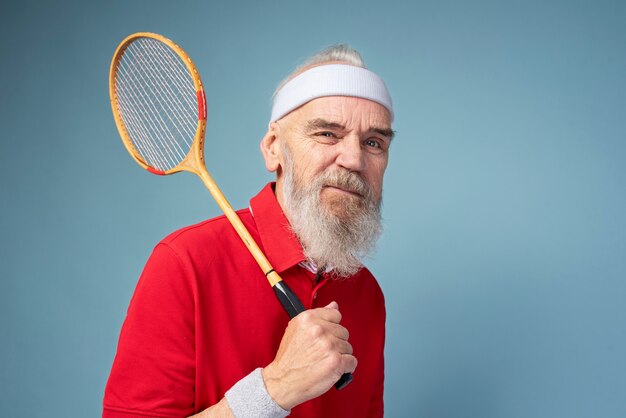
280,245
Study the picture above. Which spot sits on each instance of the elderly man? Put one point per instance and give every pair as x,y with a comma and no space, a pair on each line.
205,334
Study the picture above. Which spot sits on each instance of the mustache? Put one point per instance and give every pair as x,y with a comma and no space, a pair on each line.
348,181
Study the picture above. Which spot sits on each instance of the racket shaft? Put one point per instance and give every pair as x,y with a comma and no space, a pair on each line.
236,222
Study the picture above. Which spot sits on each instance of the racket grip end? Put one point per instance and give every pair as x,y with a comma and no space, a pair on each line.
344,381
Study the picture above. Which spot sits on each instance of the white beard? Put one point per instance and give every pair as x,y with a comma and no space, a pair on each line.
330,239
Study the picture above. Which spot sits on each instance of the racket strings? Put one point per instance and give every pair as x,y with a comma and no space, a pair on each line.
182,76
157,128
171,109
157,102
174,98
147,130
148,88
165,129
140,134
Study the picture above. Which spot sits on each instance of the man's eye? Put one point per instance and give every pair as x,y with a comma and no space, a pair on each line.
327,134
372,143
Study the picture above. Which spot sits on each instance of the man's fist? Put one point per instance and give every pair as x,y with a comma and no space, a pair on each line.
313,354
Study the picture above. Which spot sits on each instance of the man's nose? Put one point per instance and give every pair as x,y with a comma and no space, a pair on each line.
351,155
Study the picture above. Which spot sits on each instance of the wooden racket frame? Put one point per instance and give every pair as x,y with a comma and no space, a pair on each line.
194,160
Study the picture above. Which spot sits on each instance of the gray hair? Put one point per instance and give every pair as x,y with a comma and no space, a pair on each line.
341,53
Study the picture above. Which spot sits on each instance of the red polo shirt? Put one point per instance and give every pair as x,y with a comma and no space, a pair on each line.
203,316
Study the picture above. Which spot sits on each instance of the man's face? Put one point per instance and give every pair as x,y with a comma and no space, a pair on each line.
346,136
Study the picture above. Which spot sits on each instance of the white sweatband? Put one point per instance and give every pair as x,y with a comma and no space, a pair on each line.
330,80
248,398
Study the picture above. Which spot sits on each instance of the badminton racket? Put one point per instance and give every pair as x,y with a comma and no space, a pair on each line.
159,106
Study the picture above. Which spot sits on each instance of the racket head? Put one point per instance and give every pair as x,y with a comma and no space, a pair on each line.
158,104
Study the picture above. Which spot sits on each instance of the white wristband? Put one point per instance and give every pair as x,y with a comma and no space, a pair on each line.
248,398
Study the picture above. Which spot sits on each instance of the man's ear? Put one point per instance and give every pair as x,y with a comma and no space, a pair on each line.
270,148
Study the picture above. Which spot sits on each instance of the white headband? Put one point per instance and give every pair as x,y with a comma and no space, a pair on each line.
330,80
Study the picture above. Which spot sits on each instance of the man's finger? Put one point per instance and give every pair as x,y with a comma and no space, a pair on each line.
323,314
332,305
349,363
343,346
339,331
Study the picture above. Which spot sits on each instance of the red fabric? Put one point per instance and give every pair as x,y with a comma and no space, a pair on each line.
204,316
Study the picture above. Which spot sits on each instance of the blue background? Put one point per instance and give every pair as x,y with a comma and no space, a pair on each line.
504,253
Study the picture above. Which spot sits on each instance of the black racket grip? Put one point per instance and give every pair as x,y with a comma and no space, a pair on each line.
343,381
293,306
288,299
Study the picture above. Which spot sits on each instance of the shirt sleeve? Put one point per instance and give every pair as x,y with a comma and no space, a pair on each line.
153,373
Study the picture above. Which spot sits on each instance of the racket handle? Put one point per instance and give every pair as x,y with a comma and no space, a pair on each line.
288,299
343,381
293,306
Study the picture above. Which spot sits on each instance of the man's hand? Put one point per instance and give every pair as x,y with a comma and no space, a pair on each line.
313,354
